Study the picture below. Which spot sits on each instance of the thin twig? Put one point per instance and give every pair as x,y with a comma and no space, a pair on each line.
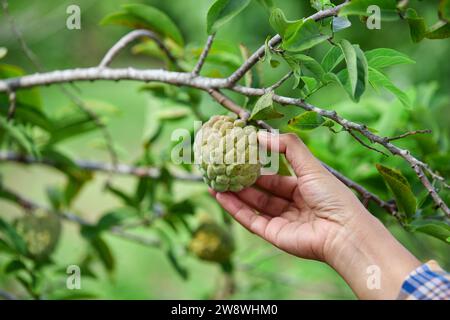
365,144
203,55
30,206
205,83
32,57
407,134
123,169
280,82
364,193
208,84
258,54
130,37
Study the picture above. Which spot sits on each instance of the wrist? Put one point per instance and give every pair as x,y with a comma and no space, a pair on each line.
369,258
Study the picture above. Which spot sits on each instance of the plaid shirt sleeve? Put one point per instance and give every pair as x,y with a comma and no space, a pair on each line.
427,282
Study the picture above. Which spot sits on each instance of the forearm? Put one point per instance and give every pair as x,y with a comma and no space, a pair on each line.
370,259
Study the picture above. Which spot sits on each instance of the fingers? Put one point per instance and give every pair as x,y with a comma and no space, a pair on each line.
263,202
282,186
243,213
298,155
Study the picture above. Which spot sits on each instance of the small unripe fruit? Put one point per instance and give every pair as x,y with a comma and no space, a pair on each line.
211,242
40,231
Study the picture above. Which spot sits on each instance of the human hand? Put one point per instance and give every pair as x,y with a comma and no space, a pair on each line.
314,215
301,215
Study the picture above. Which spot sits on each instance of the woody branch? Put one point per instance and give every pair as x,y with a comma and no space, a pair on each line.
211,85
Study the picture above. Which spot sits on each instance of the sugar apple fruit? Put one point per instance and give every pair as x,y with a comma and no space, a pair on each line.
211,242
226,151
41,231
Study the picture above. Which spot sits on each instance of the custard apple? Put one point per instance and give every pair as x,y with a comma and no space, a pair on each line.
41,231
226,151
211,242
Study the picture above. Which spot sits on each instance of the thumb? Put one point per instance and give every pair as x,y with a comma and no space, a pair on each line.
297,153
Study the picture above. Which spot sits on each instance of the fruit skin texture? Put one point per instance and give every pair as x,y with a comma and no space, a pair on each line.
41,231
226,151
211,242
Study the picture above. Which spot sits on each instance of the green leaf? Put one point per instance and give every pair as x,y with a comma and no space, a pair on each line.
294,64
340,23
311,64
172,114
12,235
127,199
114,218
104,253
378,79
18,135
357,68
332,58
305,37
71,126
223,11
351,60
437,229
440,30
30,97
14,266
308,120
286,29
417,26
6,247
444,10
3,52
144,16
388,9
321,4
310,83
363,73
399,185
173,259
264,108
385,57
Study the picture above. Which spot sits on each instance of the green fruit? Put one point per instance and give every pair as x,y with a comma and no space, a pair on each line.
211,242
226,151
41,231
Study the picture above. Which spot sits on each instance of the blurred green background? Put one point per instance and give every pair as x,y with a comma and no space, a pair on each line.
262,272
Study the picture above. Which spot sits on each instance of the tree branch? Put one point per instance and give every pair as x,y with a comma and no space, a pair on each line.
203,55
12,105
130,37
212,85
31,206
364,193
280,82
258,54
39,67
417,165
123,169
407,134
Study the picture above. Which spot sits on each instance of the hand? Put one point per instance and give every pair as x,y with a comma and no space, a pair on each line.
300,215
315,216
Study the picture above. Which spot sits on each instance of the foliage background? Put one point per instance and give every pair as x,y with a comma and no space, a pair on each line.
265,273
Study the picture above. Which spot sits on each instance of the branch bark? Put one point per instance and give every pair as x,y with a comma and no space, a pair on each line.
212,86
30,206
130,37
203,55
123,169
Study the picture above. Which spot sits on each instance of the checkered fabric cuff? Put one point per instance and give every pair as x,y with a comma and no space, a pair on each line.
427,282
